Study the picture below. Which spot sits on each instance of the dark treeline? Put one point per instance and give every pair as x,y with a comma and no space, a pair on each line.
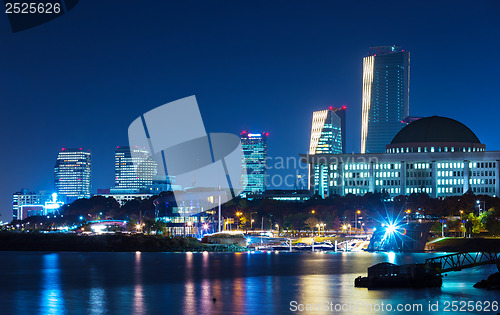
334,211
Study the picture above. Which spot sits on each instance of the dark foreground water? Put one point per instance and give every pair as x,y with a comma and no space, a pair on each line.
242,283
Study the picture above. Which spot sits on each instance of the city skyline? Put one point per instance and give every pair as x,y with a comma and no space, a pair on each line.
243,77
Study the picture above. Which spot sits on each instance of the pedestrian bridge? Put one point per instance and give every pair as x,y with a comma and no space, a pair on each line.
462,260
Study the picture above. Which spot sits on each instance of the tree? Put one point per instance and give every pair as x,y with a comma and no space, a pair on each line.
490,222
474,225
242,222
311,223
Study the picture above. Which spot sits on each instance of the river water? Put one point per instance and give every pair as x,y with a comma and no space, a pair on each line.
241,283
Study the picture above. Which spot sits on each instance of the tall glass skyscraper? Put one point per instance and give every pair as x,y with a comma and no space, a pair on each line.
328,131
254,147
328,135
134,168
385,104
73,174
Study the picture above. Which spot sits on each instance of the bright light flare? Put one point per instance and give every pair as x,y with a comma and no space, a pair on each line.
391,228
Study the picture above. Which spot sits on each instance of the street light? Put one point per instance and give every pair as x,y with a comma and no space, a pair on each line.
313,211
408,216
277,228
252,220
462,221
238,214
349,226
356,219
480,209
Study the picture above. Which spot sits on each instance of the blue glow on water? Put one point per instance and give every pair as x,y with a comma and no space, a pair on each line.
176,283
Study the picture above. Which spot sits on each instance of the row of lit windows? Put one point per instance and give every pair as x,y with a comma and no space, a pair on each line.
355,175
387,174
449,190
433,149
450,165
387,166
355,191
418,166
391,182
450,173
455,181
479,181
414,190
356,183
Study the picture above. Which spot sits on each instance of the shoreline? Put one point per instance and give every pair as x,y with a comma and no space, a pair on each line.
13,241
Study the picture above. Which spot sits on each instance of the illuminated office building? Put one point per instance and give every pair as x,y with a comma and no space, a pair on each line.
328,136
134,168
434,155
254,146
26,204
73,174
385,99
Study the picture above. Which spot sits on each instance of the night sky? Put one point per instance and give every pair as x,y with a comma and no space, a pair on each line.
81,79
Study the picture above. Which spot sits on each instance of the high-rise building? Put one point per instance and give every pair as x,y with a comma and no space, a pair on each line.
134,168
254,146
328,131
73,174
328,134
385,104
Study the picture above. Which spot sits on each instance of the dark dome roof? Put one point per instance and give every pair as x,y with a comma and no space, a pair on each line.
435,129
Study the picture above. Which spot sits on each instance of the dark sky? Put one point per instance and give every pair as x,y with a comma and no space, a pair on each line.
81,79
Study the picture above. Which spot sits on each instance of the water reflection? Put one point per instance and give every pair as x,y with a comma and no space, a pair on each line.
52,301
189,293
138,288
176,283
97,294
391,257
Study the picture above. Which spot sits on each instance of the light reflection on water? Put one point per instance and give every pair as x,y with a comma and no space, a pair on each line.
241,283
51,299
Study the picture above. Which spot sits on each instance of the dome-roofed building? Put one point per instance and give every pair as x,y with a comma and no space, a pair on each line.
435,155
435,134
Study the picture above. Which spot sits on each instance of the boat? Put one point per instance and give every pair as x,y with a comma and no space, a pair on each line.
387,275
326,245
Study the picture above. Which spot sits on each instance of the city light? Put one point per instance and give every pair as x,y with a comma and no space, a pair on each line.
391,228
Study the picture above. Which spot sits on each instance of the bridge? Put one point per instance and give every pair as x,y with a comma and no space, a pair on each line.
462,260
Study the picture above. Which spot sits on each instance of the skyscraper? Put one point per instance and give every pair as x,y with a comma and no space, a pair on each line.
385,104
130,175
73,174
328,131
254,147
328,135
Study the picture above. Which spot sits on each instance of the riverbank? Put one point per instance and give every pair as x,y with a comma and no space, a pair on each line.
55,242
452,244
